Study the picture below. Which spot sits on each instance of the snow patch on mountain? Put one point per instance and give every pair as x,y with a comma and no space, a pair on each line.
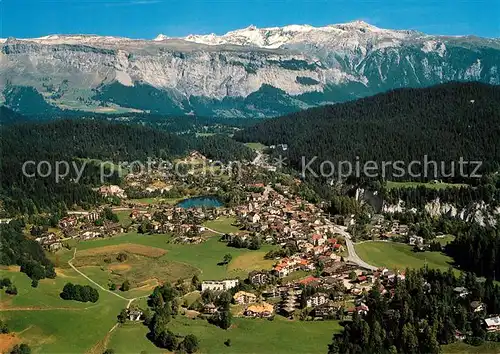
306,65
350,35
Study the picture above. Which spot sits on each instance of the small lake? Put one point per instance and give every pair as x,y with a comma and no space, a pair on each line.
198,202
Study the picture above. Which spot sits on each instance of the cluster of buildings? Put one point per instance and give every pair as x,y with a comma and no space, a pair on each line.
387,229
281,216
50,242
186,224
84,225
112,191
80,225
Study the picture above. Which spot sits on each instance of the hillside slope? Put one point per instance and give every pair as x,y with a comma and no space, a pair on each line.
445,122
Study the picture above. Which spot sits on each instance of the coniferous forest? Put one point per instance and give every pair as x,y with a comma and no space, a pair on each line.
76,141
444,122
424,312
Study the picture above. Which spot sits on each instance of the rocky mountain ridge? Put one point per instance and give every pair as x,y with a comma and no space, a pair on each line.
245,73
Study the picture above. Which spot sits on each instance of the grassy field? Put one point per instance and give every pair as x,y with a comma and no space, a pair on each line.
170,201
124,217
439,185
204,256
460,347
256,146
400,256
299,274
131,338
143,272
445,239
247,336
222,224
39,317
46,295
251,261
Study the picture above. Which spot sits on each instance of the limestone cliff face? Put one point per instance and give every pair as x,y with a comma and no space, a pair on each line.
294,67
479,212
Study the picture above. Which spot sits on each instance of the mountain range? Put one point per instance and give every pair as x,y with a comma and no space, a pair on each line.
251,72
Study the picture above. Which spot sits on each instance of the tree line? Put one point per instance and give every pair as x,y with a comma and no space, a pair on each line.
77,142
164,306
477,249
16,248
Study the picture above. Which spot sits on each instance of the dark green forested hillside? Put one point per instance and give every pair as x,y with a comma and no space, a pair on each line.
76,140
16,248
422,313
444,122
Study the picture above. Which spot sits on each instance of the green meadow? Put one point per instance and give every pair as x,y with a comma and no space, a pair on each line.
222,224
400,256
248,336
256,146
50,324
204,256
430,185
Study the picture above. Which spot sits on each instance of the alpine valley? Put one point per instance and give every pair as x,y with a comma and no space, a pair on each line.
252,72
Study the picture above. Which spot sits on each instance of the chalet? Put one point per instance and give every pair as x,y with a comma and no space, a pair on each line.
262,310
135,214
306,265
112,190
69,221
289,302
134,315
259,278
460,336
477,306
316,299
338,247
362,279
326,309
309,280
362,309
209,309
254,218
318,240
53,247
242,297
91,216
88,235
461,291
219,285
492,324
281,271
356,290
416,240
333,269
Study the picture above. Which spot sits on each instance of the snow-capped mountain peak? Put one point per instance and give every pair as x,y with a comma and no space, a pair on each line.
161,37
291,67
275,37
87,39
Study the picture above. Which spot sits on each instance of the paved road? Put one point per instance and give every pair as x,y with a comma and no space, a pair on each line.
353,256
212,230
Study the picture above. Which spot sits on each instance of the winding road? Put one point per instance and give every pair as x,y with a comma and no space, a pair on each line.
353,256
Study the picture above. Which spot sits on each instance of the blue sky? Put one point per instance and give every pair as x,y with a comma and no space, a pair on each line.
147,18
